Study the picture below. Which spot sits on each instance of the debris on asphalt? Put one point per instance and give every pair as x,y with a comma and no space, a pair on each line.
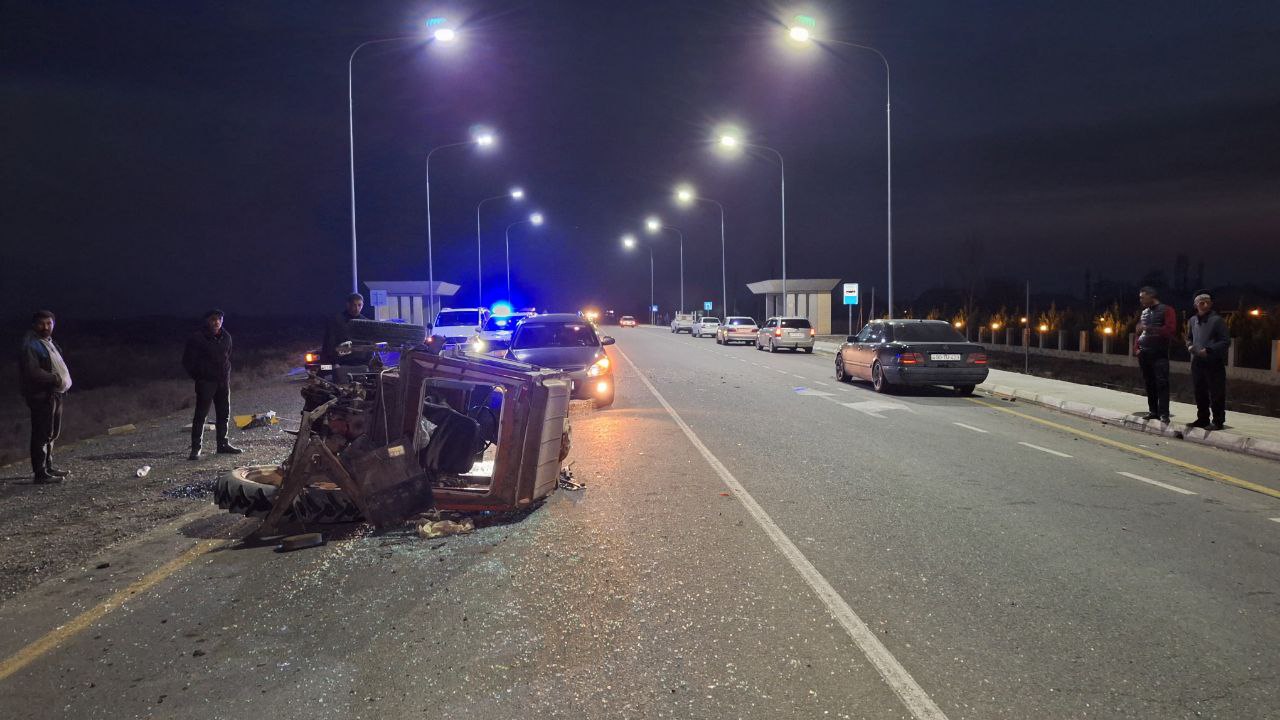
566,481
102,566
187,428
122,429
300,542
257,420
142,471
442,528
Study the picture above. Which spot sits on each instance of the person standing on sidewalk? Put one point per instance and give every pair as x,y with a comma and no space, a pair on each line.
1208,340
44,379
207,359
1156,327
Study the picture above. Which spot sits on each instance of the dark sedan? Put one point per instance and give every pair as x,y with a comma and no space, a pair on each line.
912,352
569,343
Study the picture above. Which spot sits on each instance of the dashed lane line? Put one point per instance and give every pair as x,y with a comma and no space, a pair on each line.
1157,483
1197,469
1045,449
917,701
819,382
1276,520
970,427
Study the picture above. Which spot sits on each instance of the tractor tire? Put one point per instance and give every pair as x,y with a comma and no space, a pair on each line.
392,333
250,491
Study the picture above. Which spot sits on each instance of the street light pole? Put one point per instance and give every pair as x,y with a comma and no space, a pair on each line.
687,195
629,241
534,219
655,226
733,141
803,35
351,149
516,194
431,271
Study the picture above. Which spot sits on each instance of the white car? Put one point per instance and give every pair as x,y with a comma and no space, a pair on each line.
737,328
496,333
458,325
705,327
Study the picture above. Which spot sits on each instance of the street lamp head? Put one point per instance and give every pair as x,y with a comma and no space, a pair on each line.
445,35
652,224
800,34
517,194
685,194
729,141
485,139
536,218
628,241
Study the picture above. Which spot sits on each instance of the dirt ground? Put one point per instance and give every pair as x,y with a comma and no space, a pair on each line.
46,530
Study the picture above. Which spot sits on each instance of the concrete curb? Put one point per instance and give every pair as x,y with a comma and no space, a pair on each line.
1222,440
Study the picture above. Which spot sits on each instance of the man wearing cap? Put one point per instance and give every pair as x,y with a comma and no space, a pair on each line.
44,379
1208,341
1156,327
207,359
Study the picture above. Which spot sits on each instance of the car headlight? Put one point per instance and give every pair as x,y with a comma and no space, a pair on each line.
600,367
477,344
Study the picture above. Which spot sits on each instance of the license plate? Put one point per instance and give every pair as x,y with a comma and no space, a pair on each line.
945,356
794,333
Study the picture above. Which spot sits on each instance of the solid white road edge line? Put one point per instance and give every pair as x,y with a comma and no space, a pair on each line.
1045,449
1157,483
970,427
1277,520
909,691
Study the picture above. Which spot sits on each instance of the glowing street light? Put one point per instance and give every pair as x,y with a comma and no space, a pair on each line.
730,138
1044,327
803,31
629,242
654,225
535,219
480,138
515,194
445,35
351,131
995,326
686,195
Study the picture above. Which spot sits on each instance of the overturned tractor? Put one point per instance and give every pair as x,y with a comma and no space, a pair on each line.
443,431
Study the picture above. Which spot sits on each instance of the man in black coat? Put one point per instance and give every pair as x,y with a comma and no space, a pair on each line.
207,359
338,331
1208,340
44,379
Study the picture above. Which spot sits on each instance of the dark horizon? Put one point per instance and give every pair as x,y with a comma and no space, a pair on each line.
164,159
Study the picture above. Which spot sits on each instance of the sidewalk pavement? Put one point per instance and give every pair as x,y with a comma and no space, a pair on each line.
1250,434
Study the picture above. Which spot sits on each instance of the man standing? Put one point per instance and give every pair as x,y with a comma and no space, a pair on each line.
1156,328
207,359
1208,342
338,332
44,380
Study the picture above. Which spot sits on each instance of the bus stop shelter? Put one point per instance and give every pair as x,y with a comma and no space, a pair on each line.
408,300
805,298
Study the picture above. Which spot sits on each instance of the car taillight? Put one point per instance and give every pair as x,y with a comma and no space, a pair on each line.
978,358
812,332
911,358
777,332
310,357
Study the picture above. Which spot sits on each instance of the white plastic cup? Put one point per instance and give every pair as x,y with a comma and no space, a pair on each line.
142,471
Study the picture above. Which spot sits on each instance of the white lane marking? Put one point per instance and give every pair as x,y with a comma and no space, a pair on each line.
1277,520
783,372
970,427
1157,483
1045,449
873,408
845,389
909,691
799,376
819,382
807,391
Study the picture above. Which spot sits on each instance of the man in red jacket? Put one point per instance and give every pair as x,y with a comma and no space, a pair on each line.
1157,327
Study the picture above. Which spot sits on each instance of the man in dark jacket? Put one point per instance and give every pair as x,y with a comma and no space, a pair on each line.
1156,328
1208,340
337,331
207,359
44,379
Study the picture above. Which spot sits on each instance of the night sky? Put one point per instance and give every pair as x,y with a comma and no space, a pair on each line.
164,157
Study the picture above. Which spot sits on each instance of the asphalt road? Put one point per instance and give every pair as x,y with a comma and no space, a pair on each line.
790,547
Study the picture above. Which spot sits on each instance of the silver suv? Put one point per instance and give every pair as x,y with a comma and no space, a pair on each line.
786,332
682,322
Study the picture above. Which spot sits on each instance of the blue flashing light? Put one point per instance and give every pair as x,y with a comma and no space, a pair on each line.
501,309
435,21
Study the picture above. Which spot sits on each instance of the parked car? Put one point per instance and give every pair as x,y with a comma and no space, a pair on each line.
458,325
682,322
627,321
496,333
737,329
786,332
564,341
912,352
705,327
